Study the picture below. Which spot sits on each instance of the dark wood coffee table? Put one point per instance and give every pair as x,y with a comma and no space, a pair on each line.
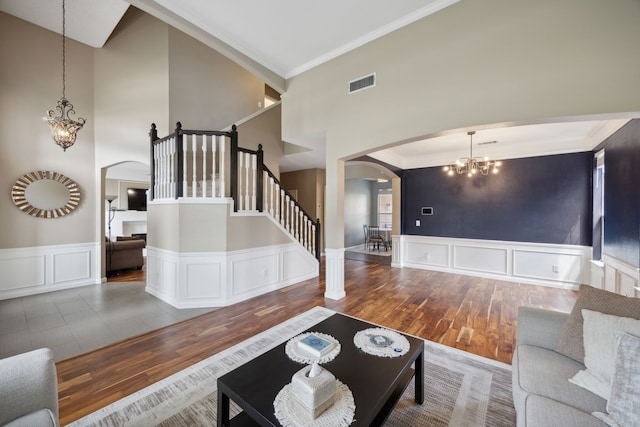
376,382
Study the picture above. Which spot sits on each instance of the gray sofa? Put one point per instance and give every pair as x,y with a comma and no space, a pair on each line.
29,390
542,393
550,350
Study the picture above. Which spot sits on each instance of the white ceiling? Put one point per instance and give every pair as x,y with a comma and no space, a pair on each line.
291,36
504,143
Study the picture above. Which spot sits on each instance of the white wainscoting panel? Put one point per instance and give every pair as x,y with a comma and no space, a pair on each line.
70,266
190,280
621,277
203,281
549,265
253,270
34,270
427,253
481,259
564,266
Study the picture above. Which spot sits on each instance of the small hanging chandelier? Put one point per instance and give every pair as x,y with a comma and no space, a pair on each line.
472,165
63,128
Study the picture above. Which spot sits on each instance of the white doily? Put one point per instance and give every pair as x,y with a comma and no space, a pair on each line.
381,342
291,413
298,354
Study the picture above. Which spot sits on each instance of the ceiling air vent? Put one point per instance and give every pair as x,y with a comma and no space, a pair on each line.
362,83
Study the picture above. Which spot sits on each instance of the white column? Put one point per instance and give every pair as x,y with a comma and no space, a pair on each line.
334,274
334,228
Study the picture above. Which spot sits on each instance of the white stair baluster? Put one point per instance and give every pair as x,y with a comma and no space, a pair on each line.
185,146
214,142
223,189
285,200
240,157
204,165
313,239
246,181
194,180
274,201
156,170
254,182
173,159
168,169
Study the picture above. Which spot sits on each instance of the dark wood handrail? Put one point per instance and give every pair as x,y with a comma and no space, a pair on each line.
233,160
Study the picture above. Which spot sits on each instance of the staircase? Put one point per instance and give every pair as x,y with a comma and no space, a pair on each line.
209,165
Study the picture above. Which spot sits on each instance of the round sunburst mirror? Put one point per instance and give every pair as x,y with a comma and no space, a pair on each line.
45,194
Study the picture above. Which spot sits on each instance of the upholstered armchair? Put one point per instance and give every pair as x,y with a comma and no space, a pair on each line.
29,390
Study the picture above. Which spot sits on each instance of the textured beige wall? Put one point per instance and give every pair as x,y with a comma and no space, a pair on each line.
30,84
132,89
264,129
208,228
310,184
208,91
471,64
246,232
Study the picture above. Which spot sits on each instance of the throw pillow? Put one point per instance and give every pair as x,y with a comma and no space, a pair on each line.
571,343
600,350
623,406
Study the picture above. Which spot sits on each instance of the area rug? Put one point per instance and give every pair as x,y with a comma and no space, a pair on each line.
361,250
461,389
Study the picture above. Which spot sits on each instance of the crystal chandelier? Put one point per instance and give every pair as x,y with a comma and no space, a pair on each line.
63,128
472,165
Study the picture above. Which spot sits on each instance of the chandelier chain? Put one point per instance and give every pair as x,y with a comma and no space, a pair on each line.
64,57
63,127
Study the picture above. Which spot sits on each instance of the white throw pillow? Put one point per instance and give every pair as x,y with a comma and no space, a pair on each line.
623,406
600,350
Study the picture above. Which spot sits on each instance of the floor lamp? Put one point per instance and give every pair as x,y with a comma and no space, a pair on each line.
111,214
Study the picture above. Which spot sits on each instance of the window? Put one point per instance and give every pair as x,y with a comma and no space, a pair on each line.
598,206
385,208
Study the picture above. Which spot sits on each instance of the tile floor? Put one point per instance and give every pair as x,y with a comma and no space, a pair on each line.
75,321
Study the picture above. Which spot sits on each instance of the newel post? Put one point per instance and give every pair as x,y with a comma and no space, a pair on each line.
153,136
318,238
178,165
233,167
260,177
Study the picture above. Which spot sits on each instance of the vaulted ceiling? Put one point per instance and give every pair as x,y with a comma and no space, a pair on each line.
288,37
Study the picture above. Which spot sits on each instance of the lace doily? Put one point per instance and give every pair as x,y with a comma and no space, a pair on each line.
381,342
290,412
299,355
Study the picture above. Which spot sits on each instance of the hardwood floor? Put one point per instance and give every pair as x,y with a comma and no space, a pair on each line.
472,314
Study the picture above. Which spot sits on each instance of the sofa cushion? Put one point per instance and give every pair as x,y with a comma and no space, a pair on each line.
600,350
543,412
40,418
546,373
570,342
623,406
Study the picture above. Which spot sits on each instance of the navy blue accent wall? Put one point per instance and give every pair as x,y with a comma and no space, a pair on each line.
622,194
543,199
